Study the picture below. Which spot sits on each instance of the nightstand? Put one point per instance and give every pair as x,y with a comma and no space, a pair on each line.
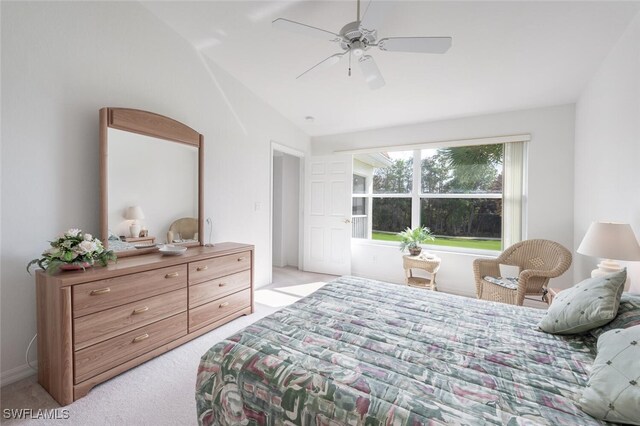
429,264
140,240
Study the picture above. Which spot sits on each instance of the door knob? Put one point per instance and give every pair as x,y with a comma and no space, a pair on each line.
347,221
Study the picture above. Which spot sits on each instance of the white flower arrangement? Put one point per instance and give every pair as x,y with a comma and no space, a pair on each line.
73,248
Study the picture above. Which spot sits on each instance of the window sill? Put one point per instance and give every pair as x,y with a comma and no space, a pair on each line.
427,247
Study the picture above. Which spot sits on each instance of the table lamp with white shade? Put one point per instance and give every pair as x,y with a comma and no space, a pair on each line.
610,242
134,213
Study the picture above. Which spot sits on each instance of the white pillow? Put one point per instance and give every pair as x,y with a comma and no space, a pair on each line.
589,304
613,391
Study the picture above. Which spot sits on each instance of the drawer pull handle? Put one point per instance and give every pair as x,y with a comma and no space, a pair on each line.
99,292
172,275
141,338
202,268
222,284
140,310
240,259
222,305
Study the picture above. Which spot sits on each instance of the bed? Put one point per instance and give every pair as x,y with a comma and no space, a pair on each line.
364,352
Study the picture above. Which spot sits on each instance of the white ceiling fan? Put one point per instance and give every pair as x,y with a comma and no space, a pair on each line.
357,37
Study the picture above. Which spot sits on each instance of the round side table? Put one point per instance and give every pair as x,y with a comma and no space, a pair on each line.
429,264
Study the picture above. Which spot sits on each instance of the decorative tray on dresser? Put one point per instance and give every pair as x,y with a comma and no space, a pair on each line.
98,323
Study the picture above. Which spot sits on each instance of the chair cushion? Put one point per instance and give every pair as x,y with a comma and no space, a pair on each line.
589,304
628,315
507,282
613,391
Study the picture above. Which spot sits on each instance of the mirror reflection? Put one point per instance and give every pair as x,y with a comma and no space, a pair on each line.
152,191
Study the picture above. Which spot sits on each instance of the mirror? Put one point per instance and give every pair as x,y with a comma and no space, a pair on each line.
151,168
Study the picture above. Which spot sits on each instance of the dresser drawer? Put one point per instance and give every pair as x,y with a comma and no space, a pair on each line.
207,291
214,311
209,269
94,328
99,358
100,295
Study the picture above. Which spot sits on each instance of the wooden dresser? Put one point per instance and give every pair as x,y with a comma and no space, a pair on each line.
98,323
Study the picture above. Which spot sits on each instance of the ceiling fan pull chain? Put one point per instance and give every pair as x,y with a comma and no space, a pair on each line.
349,64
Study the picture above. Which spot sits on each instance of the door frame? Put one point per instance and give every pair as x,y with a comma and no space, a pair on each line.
275,146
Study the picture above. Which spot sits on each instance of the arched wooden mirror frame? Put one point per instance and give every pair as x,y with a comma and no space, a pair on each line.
148,124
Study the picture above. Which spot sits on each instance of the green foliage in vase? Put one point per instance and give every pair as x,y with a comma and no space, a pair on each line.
412,238
74,247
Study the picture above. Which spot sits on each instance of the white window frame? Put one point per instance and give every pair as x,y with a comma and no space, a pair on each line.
516,185
369,195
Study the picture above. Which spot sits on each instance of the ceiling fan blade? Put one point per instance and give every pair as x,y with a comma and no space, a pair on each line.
371,72
308,30
326,63
415,44
375,15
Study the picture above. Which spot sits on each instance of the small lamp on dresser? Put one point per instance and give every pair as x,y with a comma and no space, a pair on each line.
134,213
610,242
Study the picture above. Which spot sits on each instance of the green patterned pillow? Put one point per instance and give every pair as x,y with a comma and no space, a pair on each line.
588,304
613,391
628,315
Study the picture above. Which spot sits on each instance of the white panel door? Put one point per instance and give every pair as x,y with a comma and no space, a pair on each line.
327,217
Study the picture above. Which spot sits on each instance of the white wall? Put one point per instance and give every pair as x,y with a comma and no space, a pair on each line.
277,258
61,62
286,210
607,170
290,208
549,208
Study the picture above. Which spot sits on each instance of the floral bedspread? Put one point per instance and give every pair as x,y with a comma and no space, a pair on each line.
364,352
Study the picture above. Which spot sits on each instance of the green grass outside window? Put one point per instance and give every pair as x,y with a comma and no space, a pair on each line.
472,243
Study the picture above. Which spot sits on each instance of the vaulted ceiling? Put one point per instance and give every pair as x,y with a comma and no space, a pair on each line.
505,56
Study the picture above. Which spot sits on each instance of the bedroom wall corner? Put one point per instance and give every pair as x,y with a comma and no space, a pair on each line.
607,176
549,206
61,62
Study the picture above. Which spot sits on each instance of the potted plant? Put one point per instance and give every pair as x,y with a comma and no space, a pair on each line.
73,250
412,238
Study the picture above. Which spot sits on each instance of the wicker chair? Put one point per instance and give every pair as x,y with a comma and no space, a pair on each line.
183,229
537,260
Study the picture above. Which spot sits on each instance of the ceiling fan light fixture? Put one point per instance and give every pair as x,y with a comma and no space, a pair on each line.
371,72
358,37
357,48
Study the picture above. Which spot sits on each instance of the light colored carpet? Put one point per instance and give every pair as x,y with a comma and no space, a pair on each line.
160,391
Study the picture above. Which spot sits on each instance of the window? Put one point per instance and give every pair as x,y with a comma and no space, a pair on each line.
464,222
390,177
359,207
359,184
390,216
461,195
457,192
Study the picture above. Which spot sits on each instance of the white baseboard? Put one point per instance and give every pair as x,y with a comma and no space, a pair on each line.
394,280
457,292
388,279
18,373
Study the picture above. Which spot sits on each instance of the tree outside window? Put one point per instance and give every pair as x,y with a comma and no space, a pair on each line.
458,194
